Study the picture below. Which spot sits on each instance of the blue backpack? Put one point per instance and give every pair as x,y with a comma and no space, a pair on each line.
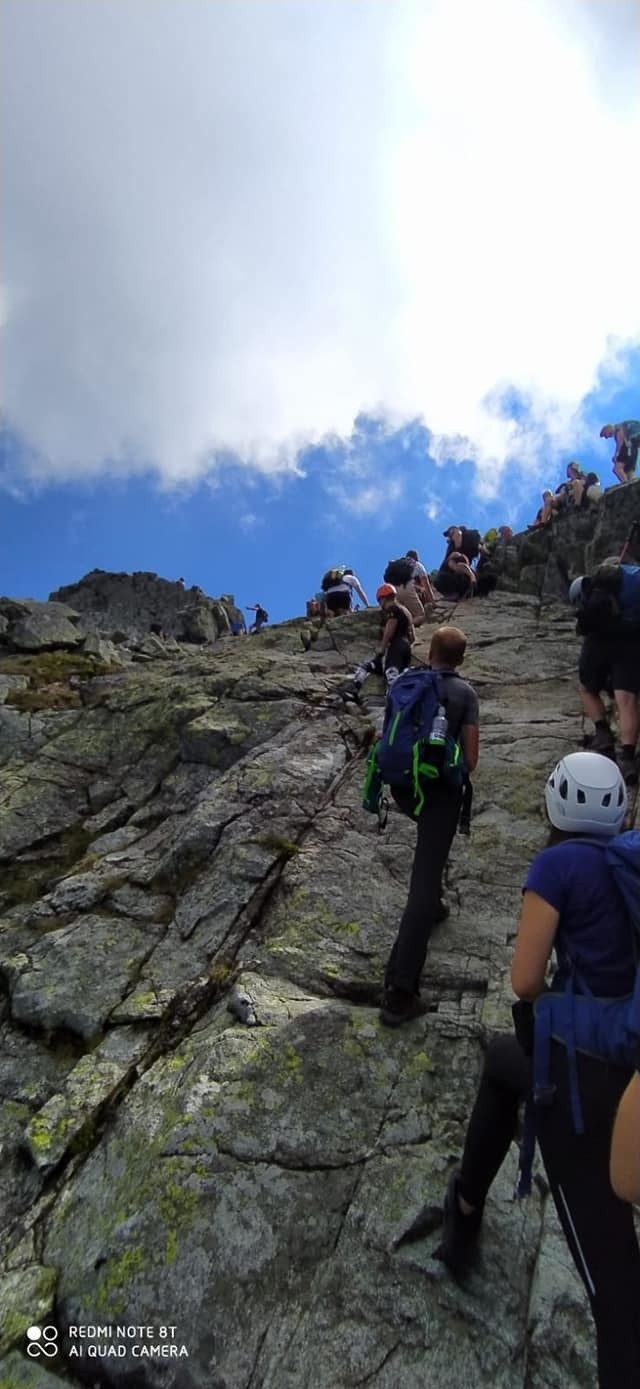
402,756
607,1028
629,594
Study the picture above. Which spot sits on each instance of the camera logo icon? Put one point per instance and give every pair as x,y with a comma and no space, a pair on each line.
42,1340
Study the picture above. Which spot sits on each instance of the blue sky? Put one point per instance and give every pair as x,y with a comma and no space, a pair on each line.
276,293
359,502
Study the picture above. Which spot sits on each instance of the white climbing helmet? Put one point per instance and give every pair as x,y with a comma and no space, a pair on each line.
575,591
586,794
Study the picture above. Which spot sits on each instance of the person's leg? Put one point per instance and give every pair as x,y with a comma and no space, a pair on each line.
593,670
494,1118
625,674
619,471
598,1227
492,1127
396,659
628,721
436,828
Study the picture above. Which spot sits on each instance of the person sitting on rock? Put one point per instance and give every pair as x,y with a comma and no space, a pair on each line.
567,906
455,576
608,607
625,457
396,640
549,505
261,616
583,487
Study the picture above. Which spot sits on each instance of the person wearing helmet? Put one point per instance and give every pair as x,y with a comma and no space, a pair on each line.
570,907
396,639
608,608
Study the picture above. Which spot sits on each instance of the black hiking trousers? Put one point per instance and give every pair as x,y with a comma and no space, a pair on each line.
598,1226
436,828
392,662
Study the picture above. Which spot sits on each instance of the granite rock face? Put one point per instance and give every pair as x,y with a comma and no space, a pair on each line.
131,603
203,1124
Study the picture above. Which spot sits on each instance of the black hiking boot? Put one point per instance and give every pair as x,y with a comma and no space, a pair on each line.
628,764
602,741
399,1007
350,694
459,1232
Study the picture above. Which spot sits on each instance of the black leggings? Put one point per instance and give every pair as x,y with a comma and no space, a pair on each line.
392,663
598,1227
436,828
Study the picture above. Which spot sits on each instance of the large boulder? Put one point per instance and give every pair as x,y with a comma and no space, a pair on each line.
34,626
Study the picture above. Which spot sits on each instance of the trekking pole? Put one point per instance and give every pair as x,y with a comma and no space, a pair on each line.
629,540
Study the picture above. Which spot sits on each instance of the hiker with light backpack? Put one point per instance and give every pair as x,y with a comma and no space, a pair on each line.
572,1056
396,639
338,586
429,745
608,618
401,573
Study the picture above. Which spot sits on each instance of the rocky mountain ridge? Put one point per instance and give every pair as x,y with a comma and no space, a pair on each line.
203,1124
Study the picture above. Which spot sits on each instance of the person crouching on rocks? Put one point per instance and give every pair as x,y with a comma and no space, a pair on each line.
397,638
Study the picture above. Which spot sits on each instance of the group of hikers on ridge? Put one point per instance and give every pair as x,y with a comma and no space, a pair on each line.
583,488
572,1058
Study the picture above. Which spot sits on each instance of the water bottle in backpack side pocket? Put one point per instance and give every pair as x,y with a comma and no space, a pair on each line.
437,739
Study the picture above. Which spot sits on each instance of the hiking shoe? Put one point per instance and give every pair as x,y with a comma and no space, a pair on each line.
629,768
399,1007
459,1232
602,741
350,694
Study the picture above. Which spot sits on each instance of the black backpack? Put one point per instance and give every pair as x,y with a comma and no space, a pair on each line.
399,571
471,541
262,615
331,578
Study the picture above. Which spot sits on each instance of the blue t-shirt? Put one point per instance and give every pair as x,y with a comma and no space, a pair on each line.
594,927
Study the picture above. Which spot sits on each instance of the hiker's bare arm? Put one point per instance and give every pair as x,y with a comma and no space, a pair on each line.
360,592
624,1168
390,629
470,744
534,943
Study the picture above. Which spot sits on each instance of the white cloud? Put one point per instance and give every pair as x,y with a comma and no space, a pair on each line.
235,226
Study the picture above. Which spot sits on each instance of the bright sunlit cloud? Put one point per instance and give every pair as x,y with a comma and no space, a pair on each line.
232,228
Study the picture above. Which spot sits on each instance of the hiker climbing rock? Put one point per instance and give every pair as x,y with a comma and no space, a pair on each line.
569,906
434,717
608,606
421,580
261,616
401,574
625,456
396,641
338,587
